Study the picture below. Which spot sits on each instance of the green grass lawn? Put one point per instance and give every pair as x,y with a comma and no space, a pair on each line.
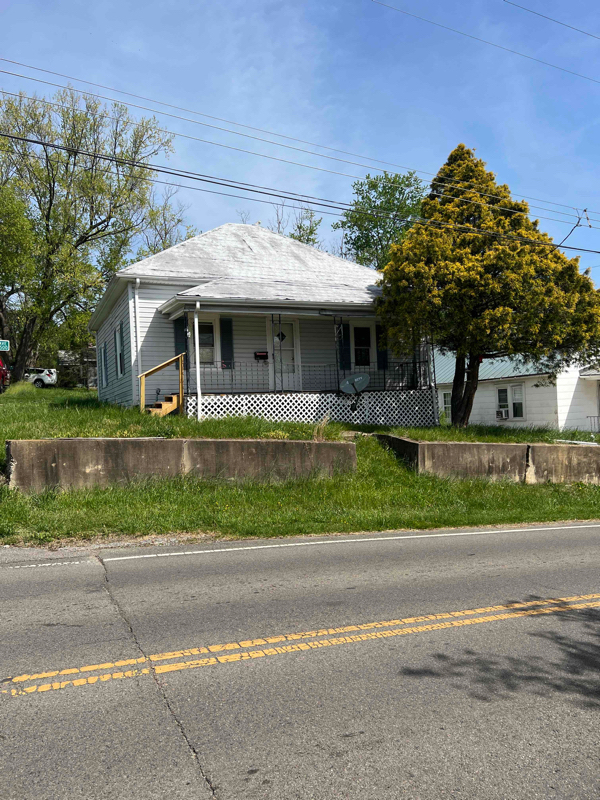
382,495
30,413
483,433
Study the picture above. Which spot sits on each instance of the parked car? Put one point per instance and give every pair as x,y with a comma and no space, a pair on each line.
4,376
41,377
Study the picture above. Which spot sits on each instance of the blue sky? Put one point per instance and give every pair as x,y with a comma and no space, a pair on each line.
350,74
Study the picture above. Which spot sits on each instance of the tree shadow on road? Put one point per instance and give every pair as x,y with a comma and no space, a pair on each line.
570,668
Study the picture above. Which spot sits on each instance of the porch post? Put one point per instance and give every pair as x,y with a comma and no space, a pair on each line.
197,356
336,339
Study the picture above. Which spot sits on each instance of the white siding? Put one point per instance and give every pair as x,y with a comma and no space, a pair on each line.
317,354
117,390
249,335
317,341
157,340
157,337
540,404
577,399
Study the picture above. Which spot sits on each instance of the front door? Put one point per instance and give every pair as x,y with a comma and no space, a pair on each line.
286,372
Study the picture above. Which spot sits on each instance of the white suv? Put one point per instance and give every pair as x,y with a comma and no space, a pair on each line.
41,377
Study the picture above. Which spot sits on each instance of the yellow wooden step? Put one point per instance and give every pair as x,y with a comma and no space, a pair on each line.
164,407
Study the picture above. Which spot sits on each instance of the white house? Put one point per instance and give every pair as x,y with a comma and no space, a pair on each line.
514,395
267,325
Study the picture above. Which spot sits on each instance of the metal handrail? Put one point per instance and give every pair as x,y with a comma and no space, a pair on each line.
144,375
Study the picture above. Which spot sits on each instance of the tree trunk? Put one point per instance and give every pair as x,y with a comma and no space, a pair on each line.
24,350
464,386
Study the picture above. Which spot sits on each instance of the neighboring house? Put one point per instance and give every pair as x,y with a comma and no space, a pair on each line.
513,395
78,367
269,325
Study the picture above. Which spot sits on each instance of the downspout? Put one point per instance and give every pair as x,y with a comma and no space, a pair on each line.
197,358
138,346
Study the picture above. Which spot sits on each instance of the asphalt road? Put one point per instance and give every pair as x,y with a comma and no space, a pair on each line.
375,666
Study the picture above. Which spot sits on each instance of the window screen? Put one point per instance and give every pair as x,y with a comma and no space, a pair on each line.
447,404
206,342
517,401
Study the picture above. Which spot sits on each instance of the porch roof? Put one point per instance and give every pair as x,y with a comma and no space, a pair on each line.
298,294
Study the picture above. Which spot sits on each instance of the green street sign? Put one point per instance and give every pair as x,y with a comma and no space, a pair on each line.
4,345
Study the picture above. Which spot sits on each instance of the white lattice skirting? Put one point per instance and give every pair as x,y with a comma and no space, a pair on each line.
410,407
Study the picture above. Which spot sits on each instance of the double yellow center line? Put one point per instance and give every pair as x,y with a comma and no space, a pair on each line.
28,684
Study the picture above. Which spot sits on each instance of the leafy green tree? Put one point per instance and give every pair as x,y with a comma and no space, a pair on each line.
88,199
17,253
383,211
482,281
306,227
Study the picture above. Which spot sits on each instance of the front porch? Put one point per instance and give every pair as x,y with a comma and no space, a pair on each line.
275,375
291,366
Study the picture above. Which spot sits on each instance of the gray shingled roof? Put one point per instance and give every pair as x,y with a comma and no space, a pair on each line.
284,290
251,254
490,370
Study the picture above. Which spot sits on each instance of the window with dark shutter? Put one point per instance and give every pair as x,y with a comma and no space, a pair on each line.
226,325
344,341
181,339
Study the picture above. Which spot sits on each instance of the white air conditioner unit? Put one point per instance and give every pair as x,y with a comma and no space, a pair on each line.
502,413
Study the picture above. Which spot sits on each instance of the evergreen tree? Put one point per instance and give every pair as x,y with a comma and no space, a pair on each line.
482,281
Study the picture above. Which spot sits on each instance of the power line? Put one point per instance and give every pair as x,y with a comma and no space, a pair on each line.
279,144
496,208
558,22
192,176
446,184
485,41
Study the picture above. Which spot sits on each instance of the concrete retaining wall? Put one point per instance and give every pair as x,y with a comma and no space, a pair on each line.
521,463
462,459
563,463
37,464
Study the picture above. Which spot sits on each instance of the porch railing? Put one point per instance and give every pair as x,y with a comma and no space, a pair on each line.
142,379
594,424
262,376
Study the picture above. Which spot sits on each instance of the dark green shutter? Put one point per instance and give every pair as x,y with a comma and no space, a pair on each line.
345,354
181,342
382,353
226,342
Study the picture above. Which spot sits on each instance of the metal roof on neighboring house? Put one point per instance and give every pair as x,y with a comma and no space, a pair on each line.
491,369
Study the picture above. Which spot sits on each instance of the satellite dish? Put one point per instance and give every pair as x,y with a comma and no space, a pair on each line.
355,384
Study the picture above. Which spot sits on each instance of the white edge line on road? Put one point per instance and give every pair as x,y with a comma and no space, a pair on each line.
356,540
46,564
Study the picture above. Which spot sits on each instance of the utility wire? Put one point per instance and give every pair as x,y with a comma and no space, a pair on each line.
432,223
349,206
159,102
446,184
558,22
485,41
